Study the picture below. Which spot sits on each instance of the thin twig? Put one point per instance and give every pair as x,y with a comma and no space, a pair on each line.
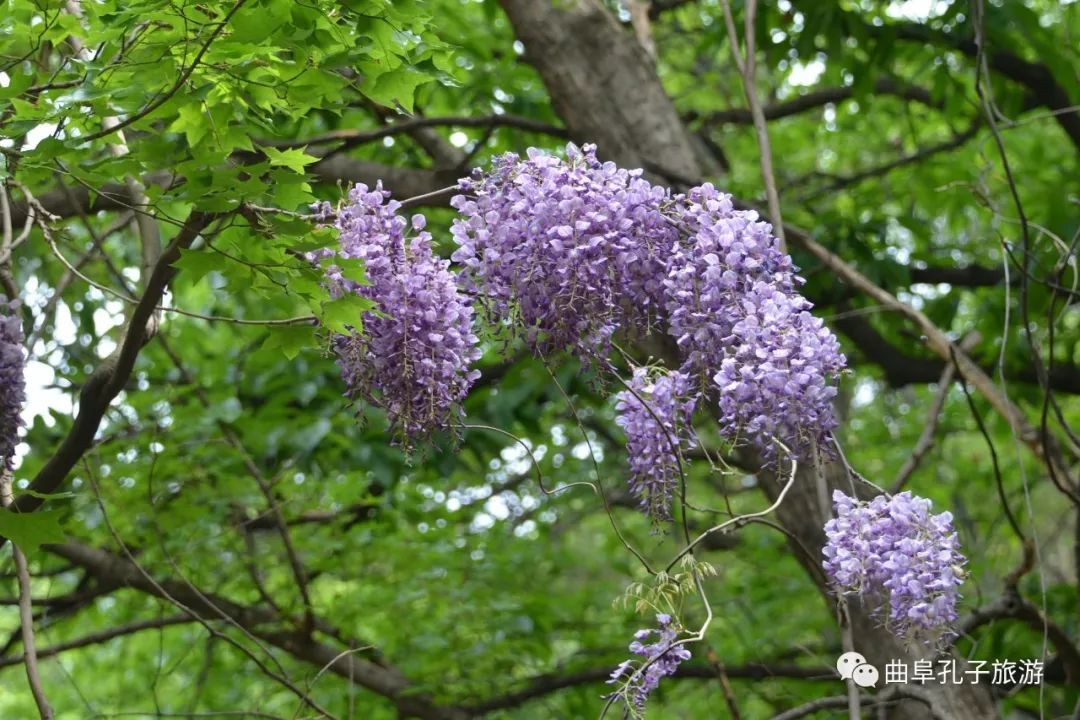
26,611
926,439
747,68
742,519
164,97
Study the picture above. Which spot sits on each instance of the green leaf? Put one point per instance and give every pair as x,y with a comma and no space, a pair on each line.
294,158
192,121
30,530
345,314
197,263
290,339
396,87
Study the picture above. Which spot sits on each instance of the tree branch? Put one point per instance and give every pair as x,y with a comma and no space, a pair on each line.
102,637
112,374
1036,77
352,138
261,623
819,98
1012,606
548,683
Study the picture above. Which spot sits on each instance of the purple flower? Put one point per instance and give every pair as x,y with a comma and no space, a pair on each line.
662,658
12,381
564,253
412,358
734,309
774,378
656,414
894,552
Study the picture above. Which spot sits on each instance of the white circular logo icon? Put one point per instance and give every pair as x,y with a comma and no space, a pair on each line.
846,664
865,676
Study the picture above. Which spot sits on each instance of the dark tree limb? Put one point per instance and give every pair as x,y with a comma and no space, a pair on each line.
659,7
552,682
819,98
1036,77
101,637
263,623
112,374
902,368
1011,606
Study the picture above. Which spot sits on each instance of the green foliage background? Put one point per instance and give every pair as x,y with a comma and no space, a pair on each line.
453,566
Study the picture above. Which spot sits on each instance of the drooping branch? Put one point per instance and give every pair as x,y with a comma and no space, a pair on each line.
263,623
1011,606
940,343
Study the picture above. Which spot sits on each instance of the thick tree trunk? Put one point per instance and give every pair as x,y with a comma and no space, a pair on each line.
604,86
801,513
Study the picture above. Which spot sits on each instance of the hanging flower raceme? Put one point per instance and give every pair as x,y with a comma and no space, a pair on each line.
735,311
727,253
662,658
896,553
12,381
564,252
413,357
656,415
774,379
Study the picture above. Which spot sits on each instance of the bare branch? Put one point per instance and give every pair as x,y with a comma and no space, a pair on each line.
933,416
747,64
102,637
26,611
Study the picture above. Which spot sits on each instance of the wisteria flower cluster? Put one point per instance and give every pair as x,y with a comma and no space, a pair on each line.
12,381
656,415
736,314
566,252
569,252
413,357
662,658
895,552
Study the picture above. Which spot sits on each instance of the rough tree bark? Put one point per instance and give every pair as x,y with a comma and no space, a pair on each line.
604,86
606,90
